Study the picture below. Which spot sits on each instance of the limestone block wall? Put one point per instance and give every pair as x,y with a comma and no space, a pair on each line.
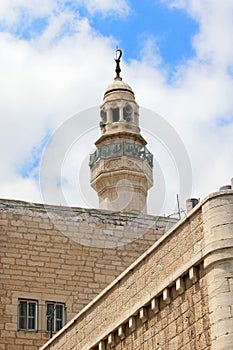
177,295
66,255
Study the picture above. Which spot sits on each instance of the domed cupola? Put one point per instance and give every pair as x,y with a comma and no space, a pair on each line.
121,167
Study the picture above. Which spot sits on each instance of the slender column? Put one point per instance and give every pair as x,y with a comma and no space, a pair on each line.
109,115
121,114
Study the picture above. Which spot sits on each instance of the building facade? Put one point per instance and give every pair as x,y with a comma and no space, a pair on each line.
177,296
55,260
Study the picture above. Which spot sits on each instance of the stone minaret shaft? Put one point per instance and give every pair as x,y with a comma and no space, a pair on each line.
121,166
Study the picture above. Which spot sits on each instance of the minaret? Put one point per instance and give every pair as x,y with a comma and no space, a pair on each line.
121,166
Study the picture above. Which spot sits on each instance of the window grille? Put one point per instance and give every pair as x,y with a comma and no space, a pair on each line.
55,313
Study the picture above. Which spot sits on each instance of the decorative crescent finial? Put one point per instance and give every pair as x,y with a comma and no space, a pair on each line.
118,59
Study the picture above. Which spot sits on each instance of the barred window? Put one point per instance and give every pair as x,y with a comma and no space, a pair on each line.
27,315
55,313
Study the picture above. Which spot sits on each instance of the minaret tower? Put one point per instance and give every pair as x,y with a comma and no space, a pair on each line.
121,166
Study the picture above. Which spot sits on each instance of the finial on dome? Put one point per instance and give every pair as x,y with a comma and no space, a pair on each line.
118,59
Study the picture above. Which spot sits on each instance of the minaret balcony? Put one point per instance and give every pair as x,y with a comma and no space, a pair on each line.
121,149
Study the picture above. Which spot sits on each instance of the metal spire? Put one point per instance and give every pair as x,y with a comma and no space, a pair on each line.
118,59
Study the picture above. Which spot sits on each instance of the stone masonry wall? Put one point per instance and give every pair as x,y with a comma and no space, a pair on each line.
218,226
62,255
181,324
160,302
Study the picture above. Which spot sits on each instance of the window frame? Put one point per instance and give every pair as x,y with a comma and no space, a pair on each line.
55,319
27,317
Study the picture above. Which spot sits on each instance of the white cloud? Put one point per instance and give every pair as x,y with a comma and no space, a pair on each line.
14,11
23,188
106,7
23,12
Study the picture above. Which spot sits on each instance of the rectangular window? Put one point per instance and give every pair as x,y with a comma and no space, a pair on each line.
55,313
27,315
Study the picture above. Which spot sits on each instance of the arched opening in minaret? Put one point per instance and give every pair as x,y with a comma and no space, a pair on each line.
127,113
103,115
115,115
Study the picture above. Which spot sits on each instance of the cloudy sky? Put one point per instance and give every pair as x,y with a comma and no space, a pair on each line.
56,59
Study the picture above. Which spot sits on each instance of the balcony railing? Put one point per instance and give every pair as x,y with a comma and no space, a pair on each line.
121,149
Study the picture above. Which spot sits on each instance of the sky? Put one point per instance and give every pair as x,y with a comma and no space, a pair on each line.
56,59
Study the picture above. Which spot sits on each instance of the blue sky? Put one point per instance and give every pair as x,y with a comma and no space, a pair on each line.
29,168
171,29
57,57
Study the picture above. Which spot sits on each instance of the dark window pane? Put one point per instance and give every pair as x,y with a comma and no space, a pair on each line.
59,325
50,317
23,315
23,309
59,317
31,309
31,323
22,323
50,308
59,311
50,324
